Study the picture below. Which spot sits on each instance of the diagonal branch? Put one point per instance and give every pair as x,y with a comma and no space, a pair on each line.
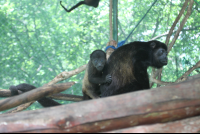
185,75
189,11
176,21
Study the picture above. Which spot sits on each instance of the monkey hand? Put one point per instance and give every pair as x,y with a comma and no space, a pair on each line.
108,79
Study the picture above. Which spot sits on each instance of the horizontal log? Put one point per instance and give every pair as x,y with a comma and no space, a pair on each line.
33,95
59,96
190,125
158,105
67,97
5,93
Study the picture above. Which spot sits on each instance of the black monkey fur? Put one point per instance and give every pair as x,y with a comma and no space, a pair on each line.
45,102
93,75
128,66
93,3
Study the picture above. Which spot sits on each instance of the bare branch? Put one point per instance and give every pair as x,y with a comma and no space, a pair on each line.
161,82
178,31
20,108
184,76
165,34
65,75
189,11
176,21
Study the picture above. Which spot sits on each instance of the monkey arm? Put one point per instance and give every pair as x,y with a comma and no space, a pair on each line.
101,80
77,5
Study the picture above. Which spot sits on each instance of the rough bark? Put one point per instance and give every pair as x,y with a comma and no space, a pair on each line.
190,125
160,105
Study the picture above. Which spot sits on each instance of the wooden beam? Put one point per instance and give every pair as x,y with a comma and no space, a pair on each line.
190,125
160,105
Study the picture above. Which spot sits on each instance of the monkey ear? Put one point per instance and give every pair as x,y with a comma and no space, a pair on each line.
153,44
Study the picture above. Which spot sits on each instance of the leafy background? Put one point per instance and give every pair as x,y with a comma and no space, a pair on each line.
39,39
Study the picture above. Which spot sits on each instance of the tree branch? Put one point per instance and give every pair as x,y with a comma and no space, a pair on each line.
62,76
33,95
185,75
176,21
65,75
189,11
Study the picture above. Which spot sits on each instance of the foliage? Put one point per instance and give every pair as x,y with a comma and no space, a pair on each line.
40,40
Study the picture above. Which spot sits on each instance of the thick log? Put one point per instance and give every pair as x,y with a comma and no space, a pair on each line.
190,125
159,105
33,95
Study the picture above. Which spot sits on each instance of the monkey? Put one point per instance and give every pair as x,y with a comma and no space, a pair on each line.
93,3
45,102
93,75
128,66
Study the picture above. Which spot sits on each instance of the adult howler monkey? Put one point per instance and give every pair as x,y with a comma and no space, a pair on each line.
94,3
128,66
45,102
93,75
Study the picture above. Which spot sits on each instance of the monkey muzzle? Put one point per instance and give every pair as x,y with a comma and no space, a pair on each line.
100,68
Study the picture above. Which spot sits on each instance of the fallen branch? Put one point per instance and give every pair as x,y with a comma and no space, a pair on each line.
160,105
33,95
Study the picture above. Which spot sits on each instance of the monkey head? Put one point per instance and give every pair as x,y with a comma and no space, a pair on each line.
159,58
98,59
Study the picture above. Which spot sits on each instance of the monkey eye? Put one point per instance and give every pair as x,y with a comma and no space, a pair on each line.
95,60
162,51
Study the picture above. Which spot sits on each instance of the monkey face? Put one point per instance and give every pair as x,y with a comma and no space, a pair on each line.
160,57
98,59
99,63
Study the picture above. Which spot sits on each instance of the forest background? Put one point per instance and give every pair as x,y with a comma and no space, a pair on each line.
39,40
